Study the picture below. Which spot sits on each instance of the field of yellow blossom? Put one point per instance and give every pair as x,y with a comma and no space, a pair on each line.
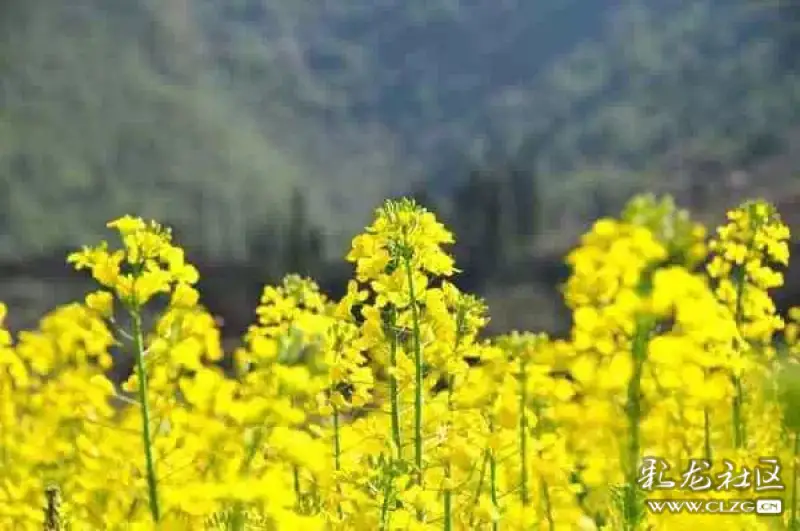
389,409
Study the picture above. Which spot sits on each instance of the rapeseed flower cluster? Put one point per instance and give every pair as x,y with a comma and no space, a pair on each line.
390,409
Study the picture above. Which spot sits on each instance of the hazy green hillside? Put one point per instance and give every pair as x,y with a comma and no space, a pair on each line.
105,111
209,113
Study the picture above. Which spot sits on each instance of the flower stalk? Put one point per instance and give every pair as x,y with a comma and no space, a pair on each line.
634,413
139,351
793,523
523,430
419,389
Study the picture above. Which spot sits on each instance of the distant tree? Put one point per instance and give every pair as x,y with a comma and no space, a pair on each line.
524,191
316,252
786,28
494,241
601,204
303,242
264,248
422,195
484,215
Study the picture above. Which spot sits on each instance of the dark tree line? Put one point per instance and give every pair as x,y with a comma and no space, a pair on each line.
495,215
295,245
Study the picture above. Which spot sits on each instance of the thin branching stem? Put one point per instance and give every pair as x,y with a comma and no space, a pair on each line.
793,524
523,430
634,414
418,373
152,482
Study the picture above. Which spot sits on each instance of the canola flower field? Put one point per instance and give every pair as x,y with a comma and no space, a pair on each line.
389,410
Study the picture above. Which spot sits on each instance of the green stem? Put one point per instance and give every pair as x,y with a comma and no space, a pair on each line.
523,431
545,490
738,421
337,445
393,389
252,449
296,480
52,511
493,483
239,517
738,398
448,493
793,517
548,506
418,376
152,483
634,413
707,434
387,493
314,504
448,505
481,478
337,455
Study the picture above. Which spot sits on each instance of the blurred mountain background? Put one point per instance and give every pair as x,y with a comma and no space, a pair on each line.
267,132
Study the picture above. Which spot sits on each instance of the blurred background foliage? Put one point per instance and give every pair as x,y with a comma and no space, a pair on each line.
266,132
